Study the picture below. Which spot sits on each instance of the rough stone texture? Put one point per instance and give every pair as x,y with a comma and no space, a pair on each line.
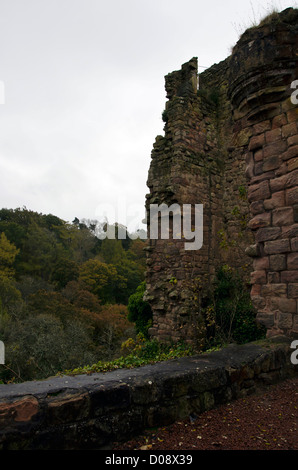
92,411
230,143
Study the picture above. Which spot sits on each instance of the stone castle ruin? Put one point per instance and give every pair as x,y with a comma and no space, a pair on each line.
231,143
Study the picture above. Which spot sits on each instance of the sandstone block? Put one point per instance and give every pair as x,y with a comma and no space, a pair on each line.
277,262
268,175
295,208
292,261
261,263
266,319
273,135
283,304
258,277
289,129
277,290
267,233
291,179
271,163
295,324
256,142
253,250
263,126
277,200
290,231
293,140
255,290
258,302
292,164
292,115
283,216
293,291
258,169
275,148
277,246
256,207
285,320
22,411
281,170
260,220
279,121
292,196
292,152
259,191
289,276
258,155
294,244
285,181
273,277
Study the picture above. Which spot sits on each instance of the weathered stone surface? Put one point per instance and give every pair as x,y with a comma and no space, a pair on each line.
231,146
253,250
276,200
257,142
294,244
283,216
67,407
283,305
259,191
278,262
269,233
289,276
258,277
18,411
274,290
260,220
290,153
91,411
285,321
277,246
293,291
292,196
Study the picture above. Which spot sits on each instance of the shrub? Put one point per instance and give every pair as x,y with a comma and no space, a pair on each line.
229,313
139,311
137,353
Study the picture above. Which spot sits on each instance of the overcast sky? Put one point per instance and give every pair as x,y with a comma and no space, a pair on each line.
84,93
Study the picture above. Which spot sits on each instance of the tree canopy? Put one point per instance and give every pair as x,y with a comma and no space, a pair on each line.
64,292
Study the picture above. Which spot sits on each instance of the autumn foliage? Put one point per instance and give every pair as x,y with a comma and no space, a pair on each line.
63,293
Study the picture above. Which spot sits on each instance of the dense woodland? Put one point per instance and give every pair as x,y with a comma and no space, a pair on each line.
72,300
64,293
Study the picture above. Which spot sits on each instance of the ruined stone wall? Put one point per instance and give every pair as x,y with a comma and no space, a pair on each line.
230,143
262,68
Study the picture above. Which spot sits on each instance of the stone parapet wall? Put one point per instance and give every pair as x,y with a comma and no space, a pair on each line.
92,411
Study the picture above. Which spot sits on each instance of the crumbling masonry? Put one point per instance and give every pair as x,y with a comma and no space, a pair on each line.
231,143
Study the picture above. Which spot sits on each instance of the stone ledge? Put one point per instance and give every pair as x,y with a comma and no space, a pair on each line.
91,411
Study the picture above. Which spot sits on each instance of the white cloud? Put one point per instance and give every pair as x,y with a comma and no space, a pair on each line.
84,92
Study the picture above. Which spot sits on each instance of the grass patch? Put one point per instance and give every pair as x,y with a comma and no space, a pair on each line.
136,353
